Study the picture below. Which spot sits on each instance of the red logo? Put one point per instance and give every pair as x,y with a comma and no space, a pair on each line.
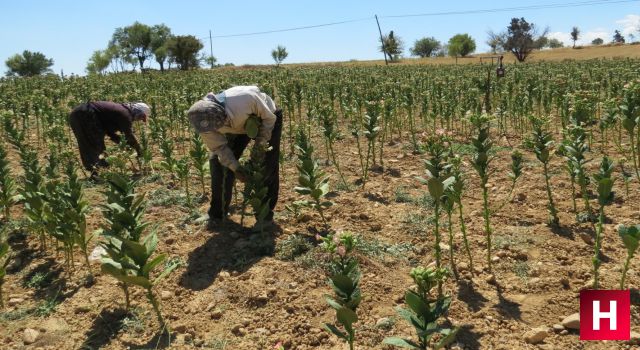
605,315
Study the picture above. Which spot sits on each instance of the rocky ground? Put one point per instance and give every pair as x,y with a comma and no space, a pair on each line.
234,290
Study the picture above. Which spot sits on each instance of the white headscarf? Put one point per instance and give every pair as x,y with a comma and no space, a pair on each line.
141,108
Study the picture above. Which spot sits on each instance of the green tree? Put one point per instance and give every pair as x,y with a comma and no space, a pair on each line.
392,46
597,41
618,38
461,45
279,54
183,50
98,62
555,43
425,47
28,64
160,35
575,33
135,41
521,38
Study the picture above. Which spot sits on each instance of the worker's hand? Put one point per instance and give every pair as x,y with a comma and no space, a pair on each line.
241,175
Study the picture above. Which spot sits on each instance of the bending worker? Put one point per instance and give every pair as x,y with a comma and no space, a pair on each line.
92,121
220,119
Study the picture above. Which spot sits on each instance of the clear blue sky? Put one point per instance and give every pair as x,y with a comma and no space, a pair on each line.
69,30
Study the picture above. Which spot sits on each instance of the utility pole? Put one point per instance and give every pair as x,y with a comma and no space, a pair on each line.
384,50
211,48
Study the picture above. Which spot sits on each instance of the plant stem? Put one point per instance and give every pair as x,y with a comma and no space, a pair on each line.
487,224
335,162
552,209
437,245
463,228
125,287
156,307
596,256
451,257
624,271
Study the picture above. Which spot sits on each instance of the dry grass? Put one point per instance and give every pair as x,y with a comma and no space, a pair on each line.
565,53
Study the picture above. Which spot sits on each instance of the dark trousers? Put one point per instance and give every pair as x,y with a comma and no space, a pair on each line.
221,175
90,136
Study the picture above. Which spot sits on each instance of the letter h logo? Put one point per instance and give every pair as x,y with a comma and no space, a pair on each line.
605,315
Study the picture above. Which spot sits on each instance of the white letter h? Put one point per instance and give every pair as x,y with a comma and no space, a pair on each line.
611,315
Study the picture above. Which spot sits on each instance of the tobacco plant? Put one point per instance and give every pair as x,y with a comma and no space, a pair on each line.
629,114
424,312
182,172
255,191
371,131
8,188
480,160
574,149
129,254
438,181
4,261
541,143
344,279
604,183
630,236
331,134
455,192
200,157
312,181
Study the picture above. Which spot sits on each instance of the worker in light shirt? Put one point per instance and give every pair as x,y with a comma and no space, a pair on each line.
220,120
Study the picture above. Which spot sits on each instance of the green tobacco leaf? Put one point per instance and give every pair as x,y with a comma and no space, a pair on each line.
150,242
4,248
335,331
343,284
150,265
334,304
252,126
135,251
346,317
416,304
402,343
121,276
436,188
165,273
448,337
630,237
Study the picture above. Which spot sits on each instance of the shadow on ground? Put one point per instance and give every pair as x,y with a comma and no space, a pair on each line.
231,248
468,294
105,327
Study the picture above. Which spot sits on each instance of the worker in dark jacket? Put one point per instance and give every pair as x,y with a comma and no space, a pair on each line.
92,121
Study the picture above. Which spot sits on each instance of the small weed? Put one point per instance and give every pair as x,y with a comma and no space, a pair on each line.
521,269
292,246
504,241
218,343
48,306
418,222
163,197
313,259
134,322
39,280
15,315
377,249
402,196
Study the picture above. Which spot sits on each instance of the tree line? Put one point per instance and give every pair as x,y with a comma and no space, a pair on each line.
134,46
520,38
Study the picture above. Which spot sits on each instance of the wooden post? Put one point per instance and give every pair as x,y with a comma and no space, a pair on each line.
211,48
384,50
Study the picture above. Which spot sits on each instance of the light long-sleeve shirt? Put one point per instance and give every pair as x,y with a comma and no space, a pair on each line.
240,103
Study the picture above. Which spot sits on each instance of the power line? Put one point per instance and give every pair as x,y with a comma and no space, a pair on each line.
517,8
447,13
293,29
